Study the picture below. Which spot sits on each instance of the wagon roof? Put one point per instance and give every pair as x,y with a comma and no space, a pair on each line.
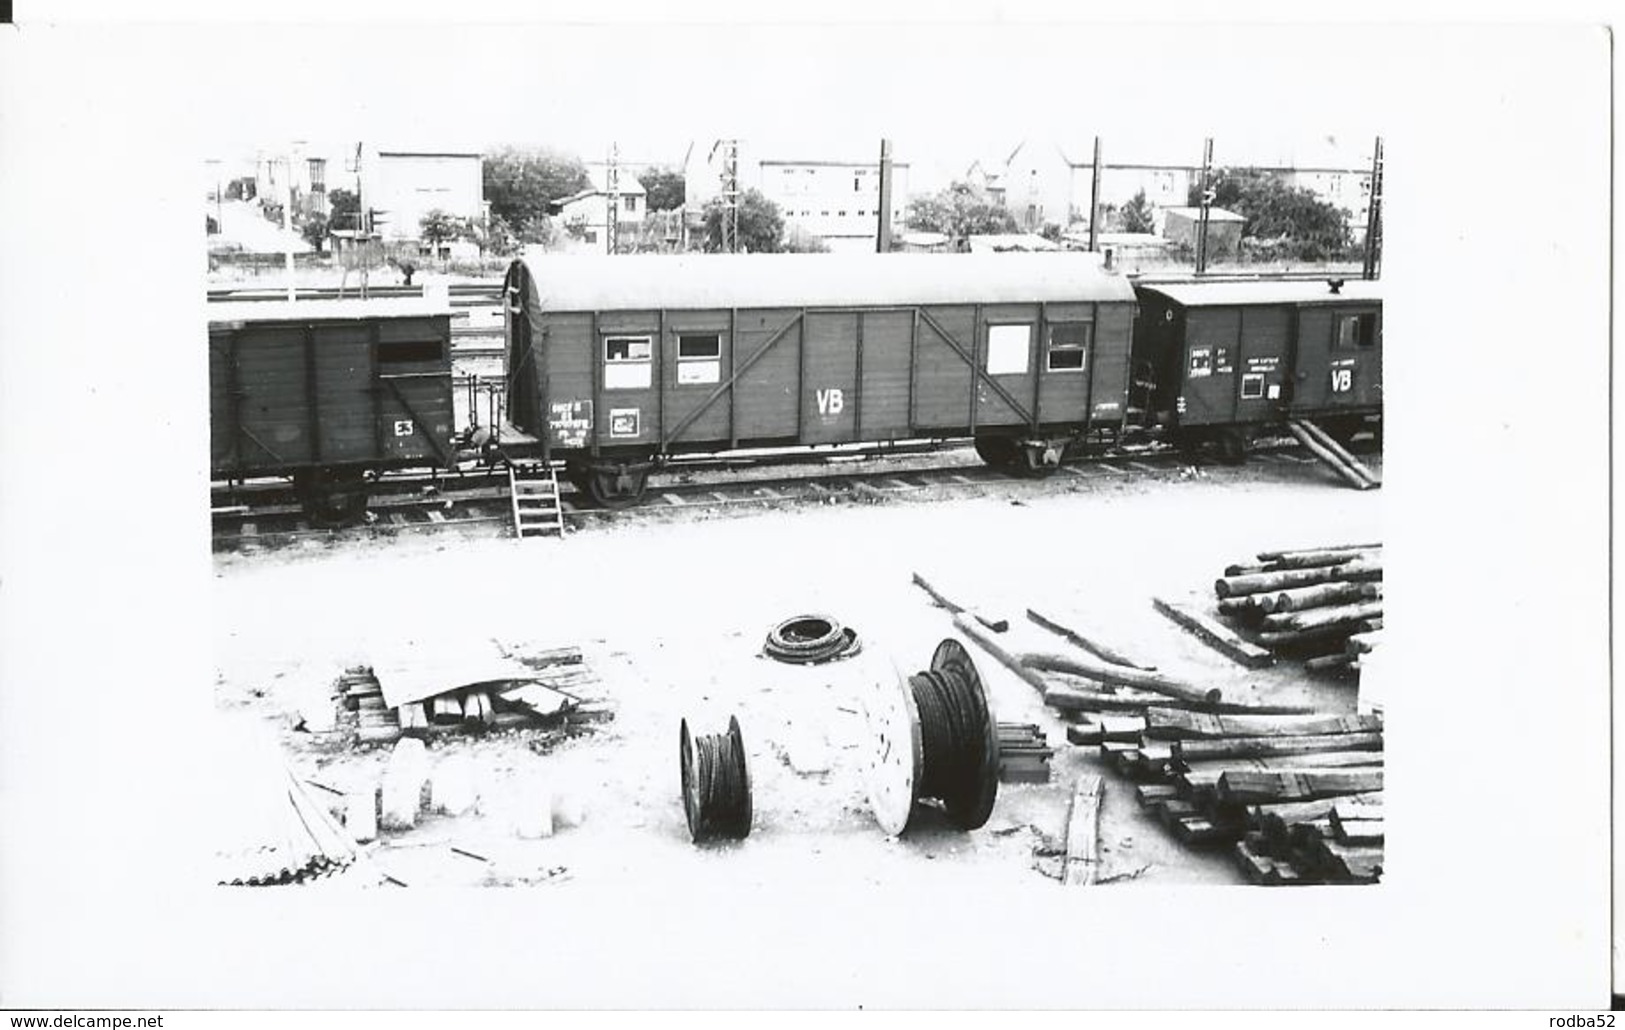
221,312
715,281
1290,291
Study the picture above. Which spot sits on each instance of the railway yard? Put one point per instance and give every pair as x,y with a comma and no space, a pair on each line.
575,777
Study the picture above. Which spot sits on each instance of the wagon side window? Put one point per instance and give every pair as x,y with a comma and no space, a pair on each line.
393,351
1356,331
1069,346
627,362
699,358
1007,347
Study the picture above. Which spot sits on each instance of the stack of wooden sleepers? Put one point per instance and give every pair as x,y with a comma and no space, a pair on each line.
1323,604
1024,753
1268,785
551,685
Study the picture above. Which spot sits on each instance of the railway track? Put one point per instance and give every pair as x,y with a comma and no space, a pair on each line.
267,515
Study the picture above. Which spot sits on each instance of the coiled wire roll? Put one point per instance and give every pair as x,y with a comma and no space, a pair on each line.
810,639
959,750
716,784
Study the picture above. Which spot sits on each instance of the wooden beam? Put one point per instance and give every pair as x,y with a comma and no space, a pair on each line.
1172,724
1083,832
1052,621
1254,787
1235,586
996,623
1121,675
1215,633
1207,749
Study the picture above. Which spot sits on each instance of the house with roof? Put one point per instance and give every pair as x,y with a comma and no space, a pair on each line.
584,215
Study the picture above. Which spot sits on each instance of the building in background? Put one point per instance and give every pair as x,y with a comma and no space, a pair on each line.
584,216
1040,183
1180,225
401,186
836,199
1037,187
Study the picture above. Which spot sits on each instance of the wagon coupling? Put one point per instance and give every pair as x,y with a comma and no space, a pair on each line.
716,784
933,739
811,639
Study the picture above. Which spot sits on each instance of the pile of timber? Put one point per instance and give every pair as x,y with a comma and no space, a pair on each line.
1323,604
553,685
294,840
1024,753
1247,780
1332,840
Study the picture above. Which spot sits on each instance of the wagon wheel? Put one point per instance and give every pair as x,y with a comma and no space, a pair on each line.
1232,444
333,498
997,451
616,488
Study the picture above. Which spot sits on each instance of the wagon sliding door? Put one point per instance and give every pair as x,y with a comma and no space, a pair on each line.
1264,345
1008,354
973,367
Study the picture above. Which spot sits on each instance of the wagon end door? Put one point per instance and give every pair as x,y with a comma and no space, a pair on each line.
1208,371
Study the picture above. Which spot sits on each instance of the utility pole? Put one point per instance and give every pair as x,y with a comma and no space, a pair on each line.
883,235
363,221
1373,217
287,220
1207,203
1094,200
612,213
730,193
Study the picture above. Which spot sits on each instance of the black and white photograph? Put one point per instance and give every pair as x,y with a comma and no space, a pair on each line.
681,512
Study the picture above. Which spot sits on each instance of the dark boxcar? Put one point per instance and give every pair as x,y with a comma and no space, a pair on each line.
328,391
1226,358
616,363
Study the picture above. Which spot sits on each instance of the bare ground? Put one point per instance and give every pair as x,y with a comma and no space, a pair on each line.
671,608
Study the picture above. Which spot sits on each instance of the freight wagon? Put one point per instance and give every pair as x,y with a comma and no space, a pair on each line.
616,364
329,393
1226,359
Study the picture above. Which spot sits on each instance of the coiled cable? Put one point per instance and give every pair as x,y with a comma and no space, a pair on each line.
716,784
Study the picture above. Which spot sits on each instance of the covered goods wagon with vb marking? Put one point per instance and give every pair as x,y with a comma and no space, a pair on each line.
615,364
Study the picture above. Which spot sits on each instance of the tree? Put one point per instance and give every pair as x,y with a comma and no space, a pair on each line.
761,227
314,229
666,189
1307,226
343,210
1135,216
959,211
437,227
520,185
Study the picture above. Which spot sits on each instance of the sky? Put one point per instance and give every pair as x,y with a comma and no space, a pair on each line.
795,91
